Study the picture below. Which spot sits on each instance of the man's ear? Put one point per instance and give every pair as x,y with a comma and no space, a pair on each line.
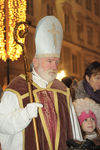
87,78
35,62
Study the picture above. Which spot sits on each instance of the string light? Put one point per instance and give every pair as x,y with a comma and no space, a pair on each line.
16,13
2,31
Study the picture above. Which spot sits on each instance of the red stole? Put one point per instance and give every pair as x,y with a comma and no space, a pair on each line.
47,99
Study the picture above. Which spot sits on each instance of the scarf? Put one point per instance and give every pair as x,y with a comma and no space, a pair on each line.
95,95
91,136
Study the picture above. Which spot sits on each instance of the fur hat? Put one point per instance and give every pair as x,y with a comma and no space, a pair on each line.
48,37
85,108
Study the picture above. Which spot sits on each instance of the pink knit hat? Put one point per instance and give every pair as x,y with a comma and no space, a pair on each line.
85,108
85,115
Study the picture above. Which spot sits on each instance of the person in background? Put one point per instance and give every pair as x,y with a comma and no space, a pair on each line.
90,85
88,112
67,81
71,83
50,106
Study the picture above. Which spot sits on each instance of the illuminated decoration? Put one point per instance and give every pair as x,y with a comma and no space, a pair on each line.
2,31
61,75
13,11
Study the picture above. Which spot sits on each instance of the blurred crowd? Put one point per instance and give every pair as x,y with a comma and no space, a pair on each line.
85,95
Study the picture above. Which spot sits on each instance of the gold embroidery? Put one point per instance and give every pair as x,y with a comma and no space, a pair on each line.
54,32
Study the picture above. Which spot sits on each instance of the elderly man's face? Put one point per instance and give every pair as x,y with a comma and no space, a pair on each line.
47,68
94,81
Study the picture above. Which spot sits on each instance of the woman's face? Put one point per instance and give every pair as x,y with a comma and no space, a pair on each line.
88,125
94,81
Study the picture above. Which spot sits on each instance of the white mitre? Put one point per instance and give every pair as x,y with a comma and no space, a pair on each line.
48,37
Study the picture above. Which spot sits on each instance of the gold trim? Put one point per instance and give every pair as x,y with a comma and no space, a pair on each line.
58,121
49,84
33,83
43,122
22,75
23,133
47,88
25,95
18,95
53,90
68,98
47,55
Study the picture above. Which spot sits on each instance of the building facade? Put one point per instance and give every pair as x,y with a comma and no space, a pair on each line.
81,26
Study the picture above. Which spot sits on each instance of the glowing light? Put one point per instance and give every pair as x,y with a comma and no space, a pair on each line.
61,75
2,31
16,13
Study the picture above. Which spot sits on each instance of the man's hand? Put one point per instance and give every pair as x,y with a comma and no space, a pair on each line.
32,109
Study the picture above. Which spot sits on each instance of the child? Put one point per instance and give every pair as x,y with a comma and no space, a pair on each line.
88,112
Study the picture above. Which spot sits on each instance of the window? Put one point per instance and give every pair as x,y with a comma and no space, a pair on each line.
80,31
74,64
49,9
67,23
29,9
97,7
90,35
88,4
